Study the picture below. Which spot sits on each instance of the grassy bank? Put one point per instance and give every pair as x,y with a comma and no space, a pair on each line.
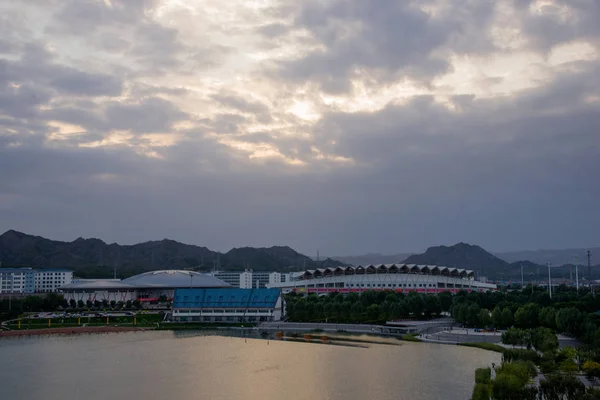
485,346
411,337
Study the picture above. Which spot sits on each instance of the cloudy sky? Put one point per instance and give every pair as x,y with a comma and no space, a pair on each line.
347,126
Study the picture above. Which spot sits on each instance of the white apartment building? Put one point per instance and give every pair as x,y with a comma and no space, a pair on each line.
17,280
250,279
50,279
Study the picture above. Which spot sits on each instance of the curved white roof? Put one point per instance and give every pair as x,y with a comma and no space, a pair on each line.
154,279
174,279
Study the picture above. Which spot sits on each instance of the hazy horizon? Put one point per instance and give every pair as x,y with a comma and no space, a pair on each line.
347,127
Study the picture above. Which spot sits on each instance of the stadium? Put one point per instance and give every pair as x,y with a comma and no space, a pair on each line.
396,277
146,287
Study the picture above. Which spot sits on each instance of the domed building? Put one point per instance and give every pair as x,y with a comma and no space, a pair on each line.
146,287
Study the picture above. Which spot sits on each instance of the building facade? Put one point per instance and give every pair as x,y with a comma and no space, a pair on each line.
17,280
393,277
230,277
227,305
147,287
49,280
250,279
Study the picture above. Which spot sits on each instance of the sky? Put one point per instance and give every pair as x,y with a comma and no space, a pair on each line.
344,126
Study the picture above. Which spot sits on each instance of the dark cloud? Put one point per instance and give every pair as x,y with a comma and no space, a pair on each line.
72,81
561,22
241,104
391,39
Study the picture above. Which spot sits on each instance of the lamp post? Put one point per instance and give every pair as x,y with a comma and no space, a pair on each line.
549,281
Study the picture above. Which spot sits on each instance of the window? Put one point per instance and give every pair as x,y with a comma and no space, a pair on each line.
220,298
197,299
185,298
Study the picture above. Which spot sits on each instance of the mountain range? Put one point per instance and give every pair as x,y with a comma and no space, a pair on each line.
542,257
93,258
493,266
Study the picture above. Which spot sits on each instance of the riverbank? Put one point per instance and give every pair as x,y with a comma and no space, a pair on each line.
69,331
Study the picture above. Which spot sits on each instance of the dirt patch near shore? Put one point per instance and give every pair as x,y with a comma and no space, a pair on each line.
69,331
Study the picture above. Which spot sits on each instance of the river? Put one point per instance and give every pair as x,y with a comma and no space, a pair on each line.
174,365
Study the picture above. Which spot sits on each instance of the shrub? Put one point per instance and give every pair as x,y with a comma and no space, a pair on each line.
481,391
485,346
482,375
511,355
562,387
592,369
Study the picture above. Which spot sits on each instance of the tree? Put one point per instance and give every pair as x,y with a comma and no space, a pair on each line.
544,340
473,315
557,386
527,316
569,321
515,337
485,319
432,306
445,301
592,370
73,303
497,317
416,304
507,318
547,317
80,304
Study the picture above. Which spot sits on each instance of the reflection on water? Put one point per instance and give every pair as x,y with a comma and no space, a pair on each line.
190,365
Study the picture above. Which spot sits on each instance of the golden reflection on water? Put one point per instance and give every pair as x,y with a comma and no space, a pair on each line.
166,365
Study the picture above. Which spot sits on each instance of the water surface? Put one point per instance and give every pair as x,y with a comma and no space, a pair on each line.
168,365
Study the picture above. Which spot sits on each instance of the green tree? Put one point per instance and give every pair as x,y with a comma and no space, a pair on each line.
547,317
569,321
445,301
497,318
485,319
526,316
544,340
507,318
416,304
473,315
557,386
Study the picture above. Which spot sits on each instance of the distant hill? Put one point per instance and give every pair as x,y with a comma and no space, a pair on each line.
373,258
462,255
95,258
555,257
496,266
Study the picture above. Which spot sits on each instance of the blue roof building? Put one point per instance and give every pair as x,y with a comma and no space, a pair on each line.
227,305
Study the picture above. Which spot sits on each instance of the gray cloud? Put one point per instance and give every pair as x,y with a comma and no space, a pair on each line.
392,39
505,172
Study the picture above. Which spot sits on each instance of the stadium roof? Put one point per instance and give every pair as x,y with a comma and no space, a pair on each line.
175,279
154,279
386,269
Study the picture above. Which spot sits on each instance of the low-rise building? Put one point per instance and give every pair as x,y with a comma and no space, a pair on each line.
227,305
